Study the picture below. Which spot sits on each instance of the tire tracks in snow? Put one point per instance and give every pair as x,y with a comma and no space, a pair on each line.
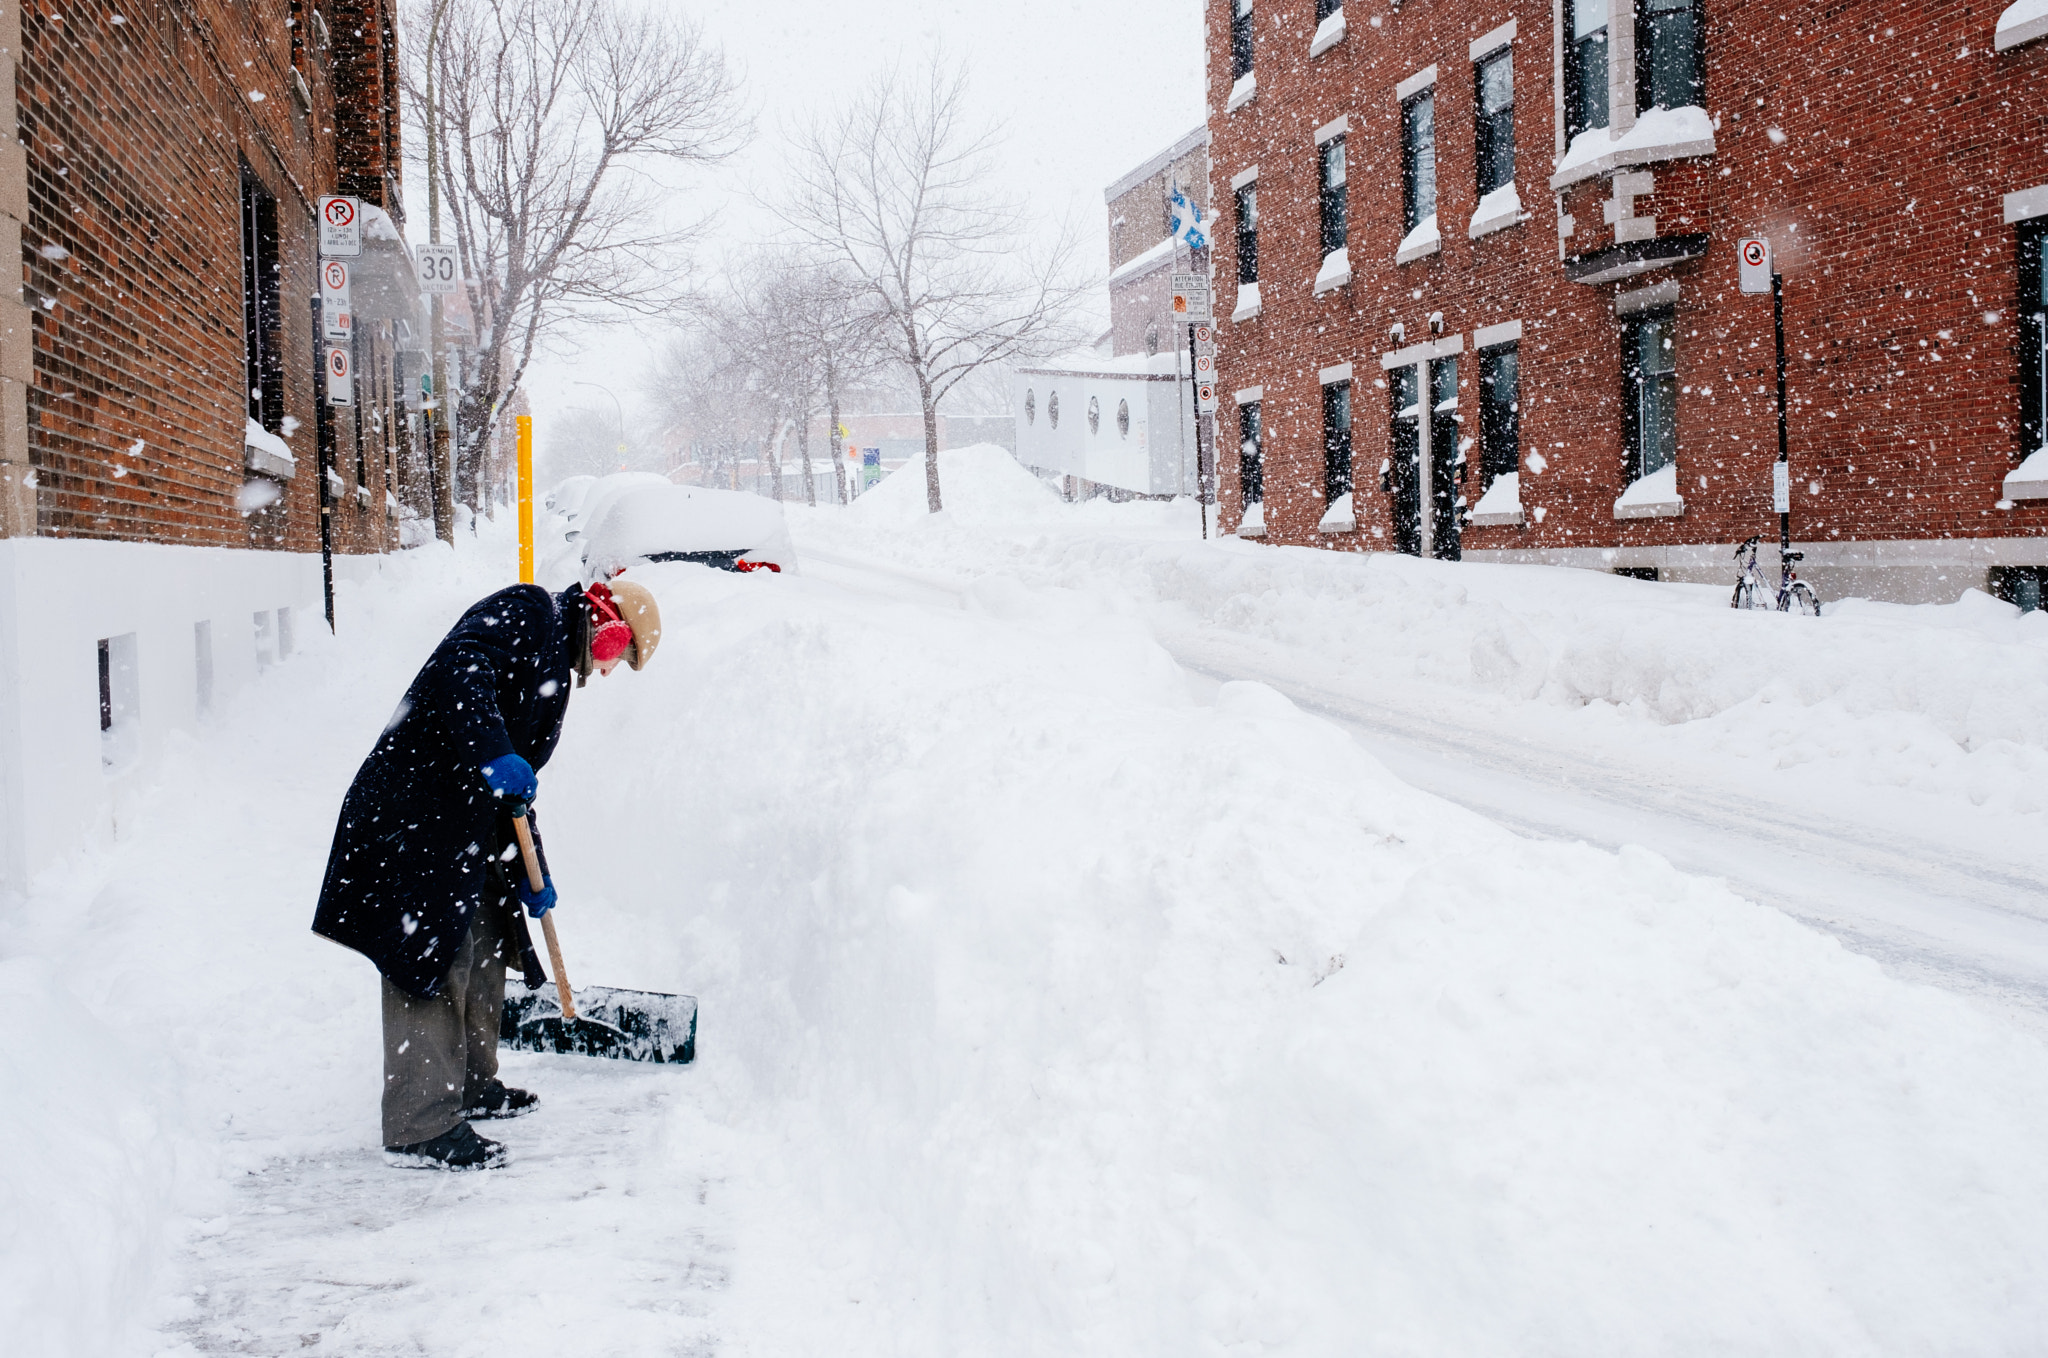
1966,921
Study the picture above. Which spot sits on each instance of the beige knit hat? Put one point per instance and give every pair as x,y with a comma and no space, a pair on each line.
636,605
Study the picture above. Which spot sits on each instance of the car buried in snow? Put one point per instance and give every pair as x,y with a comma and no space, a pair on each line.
632,520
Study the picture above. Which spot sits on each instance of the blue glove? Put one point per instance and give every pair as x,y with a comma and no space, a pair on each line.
537,903
512,778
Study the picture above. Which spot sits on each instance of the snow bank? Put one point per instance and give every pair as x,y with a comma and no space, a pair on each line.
1086,1012
980,484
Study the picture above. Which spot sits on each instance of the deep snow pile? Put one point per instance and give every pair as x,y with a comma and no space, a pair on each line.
1939,705
978,484
1053,1001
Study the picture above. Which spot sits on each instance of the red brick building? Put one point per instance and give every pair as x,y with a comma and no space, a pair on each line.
1483,256
171,157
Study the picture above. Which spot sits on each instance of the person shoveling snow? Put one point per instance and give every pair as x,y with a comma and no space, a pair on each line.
424,877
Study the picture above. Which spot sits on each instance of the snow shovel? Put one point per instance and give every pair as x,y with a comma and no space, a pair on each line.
625,1025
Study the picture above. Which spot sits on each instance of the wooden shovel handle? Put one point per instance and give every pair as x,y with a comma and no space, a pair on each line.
538,882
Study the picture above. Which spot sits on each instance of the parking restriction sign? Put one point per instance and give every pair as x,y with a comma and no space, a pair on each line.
341,385
341,226
1755,257
1205,397
336,320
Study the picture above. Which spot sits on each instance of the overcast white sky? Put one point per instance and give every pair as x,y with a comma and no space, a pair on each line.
1086,89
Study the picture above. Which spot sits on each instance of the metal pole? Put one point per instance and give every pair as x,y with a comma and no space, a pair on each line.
1783,472
323,436
526,499
1195,403
443,460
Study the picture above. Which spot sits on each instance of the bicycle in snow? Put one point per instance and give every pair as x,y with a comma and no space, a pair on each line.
1752,590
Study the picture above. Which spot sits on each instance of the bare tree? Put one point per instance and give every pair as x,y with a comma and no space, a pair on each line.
551,111
898,189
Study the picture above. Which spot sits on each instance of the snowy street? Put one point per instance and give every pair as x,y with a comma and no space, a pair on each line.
1108,943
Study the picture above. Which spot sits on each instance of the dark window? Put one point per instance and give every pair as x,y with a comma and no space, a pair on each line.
1670,54
1325,8
1334,215
1240,39
1500,412
1336,441
1251,462
1446,460
1650,367
1585,66
2020,586
1496,105
1418,159
1401,478
2033,330
106,685
262,321
1248,233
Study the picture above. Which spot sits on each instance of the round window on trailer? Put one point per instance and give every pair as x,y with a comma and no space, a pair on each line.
1094,415
1052,409
1030,406
1123,418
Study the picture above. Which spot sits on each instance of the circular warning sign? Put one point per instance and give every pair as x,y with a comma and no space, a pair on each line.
340,211
336,274
1204,334
1753,253
1205,366
1205,392
337,362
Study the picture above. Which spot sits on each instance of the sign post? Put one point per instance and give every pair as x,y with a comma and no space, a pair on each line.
526,499
1193,303
1760,275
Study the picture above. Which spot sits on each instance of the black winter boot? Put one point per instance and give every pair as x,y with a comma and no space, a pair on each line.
459,1148
500,1100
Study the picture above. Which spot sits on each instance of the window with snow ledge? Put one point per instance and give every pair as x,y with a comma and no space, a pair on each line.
2022,23
1241,93
1338,518
2029,480
1501,506
1248,301
2033,339
1497,211
1251,466
1424,241
1329,27
1660,134
1336,271
1241,45
1652,497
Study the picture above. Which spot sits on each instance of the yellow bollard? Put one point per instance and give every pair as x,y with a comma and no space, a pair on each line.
526,499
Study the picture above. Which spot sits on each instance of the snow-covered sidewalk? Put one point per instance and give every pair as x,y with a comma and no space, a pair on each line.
1054,1000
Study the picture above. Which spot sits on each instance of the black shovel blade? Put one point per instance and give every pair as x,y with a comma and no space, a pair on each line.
623,1025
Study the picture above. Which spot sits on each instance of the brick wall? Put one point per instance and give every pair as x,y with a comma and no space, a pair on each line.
136,134
1873,143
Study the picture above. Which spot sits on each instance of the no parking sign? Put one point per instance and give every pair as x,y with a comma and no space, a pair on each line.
341,380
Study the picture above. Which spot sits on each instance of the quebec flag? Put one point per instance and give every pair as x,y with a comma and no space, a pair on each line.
1187,220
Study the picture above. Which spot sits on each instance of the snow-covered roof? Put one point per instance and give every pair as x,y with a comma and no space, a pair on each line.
1140,265
1084,363
1126,182
2022,22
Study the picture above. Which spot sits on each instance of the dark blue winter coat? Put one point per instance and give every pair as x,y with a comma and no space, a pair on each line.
411,863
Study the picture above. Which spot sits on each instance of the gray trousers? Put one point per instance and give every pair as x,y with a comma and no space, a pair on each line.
439,1054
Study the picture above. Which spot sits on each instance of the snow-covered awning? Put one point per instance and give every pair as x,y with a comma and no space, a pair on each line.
2029,480
1660,134
2022,22
1630,258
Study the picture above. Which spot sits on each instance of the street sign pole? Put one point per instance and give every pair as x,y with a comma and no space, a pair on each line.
1781,478
1195,398
1759,274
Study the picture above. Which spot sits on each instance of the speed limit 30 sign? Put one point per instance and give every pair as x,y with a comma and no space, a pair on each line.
440,271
